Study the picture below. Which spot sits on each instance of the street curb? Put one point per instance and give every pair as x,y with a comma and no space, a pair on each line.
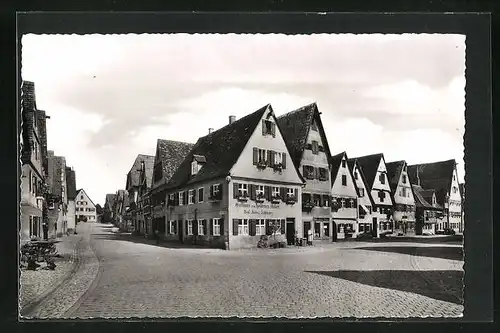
30,307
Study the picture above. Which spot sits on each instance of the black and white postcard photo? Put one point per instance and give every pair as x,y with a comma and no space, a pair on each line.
227,175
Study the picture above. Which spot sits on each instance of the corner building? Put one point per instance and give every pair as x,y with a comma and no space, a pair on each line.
236,184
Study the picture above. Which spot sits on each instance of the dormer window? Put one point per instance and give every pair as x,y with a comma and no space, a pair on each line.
197,163
194,168
268,127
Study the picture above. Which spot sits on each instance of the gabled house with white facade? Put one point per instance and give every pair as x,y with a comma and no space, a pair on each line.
441,177
365,202
375,171
306,140
235,186
132,186
344,198
85,208
402,195
428,213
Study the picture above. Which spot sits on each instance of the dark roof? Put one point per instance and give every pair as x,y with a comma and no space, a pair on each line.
134,175
295,126
335,163
42,133
78,191
423,198
437,176
200,158
351,162
71,183
28,105
369,166
171,154
221,149
394,173
148,169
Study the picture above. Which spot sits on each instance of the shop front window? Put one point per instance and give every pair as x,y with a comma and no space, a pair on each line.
326,229
317,230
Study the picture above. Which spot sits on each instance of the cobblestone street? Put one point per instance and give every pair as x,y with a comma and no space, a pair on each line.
131,278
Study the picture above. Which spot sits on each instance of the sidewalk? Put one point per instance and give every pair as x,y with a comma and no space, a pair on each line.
36,285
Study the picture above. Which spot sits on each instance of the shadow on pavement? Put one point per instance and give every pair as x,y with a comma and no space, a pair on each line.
128,237
443,252
454,239
441,285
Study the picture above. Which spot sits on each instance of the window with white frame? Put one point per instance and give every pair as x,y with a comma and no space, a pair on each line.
290,192
242,190
278,158
191,197
260,227
171,197
276,191
181,198
194,168
243,227
216,189
201,227
216,227
356,175
261,155
259,191
190,227
172,227
361,192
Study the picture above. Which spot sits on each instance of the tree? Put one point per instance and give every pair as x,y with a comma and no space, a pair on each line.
99,209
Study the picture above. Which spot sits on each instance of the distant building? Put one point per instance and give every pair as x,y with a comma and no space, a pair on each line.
344,198
402,195
133,185
32,172
71,194
236,185
120,209
429,213
144,189
365,201
374,170
306,140
85,208
58,198
108,209
441,177
168,157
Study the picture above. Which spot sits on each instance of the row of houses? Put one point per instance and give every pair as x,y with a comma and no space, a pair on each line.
50,204
261,174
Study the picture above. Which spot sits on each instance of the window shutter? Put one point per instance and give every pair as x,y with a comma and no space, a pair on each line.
273,129
283,193
296,193
251,188
263,127
221,224
211,191
251,227
269,160
235,227
220,191
175,227
235,190
255,156
273,158
205,231
211,227
304,171
267,193
283,226
195,227
283,160
185,197
267,227
194,196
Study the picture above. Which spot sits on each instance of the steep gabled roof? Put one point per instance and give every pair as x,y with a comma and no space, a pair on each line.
133,176
369,166
437,176
394,170
423,198
221,149
148,169
82,190
28,104
335,163
351,162
295,126
171,154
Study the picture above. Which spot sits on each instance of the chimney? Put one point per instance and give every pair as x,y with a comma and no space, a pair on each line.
210,130
232,119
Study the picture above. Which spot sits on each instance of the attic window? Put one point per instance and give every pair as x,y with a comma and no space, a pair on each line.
381,178
343,163
356,175
268,127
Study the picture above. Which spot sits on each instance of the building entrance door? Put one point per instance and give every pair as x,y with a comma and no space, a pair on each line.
180,231
374,227
307,227
290,231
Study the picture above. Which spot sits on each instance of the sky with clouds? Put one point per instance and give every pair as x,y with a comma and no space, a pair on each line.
110,97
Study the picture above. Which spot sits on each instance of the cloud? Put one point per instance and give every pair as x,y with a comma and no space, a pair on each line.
115,95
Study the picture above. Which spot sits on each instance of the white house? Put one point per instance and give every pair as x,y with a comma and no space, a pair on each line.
344,197
365,204
375,171
85,208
